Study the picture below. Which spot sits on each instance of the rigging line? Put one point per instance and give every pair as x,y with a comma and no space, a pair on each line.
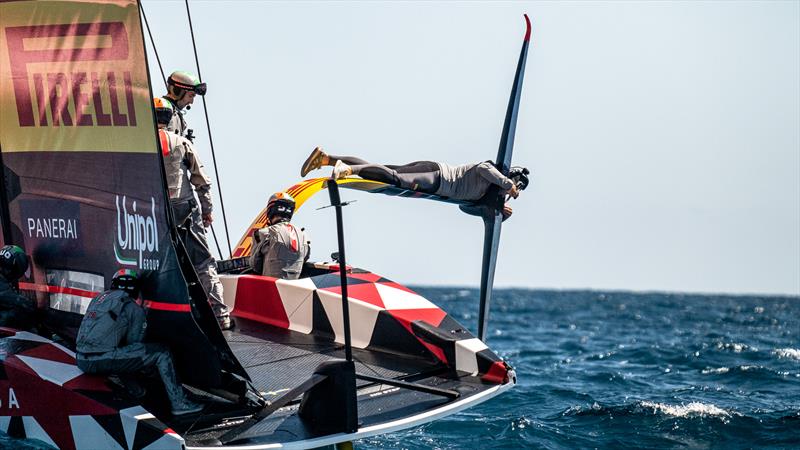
153,43
210,140
216,241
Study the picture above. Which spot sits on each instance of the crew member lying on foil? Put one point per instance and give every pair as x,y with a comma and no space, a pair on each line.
110,341
16,310
281,248
465,182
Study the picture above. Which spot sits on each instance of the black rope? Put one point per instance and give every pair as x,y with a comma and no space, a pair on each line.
210,140
164,79
216,241
153,43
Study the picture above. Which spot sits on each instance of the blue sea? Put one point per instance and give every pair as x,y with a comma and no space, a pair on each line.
624,370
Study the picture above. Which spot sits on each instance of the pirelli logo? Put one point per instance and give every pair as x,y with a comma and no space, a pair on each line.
52,86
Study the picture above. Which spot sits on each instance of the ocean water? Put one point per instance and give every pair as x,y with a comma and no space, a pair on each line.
624,370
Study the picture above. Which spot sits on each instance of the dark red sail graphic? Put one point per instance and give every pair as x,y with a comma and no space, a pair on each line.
83,185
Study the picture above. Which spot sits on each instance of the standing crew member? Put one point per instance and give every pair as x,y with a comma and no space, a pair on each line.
16,310
182,87
110,341
185,177
281,247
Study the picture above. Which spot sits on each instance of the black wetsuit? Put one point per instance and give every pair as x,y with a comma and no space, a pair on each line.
422,176
16,310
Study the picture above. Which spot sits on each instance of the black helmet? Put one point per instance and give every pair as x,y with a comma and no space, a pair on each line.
126,280
519,175
13,262
180,81
281,205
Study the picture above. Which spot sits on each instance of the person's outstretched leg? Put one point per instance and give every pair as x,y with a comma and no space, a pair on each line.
349,160
318,158
416,167
422,176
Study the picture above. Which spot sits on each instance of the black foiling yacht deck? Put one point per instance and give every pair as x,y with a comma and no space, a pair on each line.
278,360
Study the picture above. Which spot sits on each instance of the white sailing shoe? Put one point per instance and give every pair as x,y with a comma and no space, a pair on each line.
341,170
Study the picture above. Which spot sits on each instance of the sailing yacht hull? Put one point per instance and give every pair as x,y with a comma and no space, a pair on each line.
51,400
285,329
422,418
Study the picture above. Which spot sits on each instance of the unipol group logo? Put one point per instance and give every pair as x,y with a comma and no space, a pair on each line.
137,234
72,96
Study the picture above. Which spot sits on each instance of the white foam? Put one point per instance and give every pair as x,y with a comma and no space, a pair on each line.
791,353
718,370
693,409
735,347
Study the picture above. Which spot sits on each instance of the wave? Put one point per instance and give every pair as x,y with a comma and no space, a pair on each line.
789,353
718,370
735,347
748,373
645,407
693,409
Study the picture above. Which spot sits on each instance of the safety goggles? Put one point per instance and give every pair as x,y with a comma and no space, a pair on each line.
199,89
280,209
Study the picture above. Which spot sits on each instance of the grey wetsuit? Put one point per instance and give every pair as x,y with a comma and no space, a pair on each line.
281,251
110,342
185,177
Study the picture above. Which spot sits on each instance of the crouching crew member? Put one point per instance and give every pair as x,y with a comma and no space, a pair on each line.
16,310
281,248
110,341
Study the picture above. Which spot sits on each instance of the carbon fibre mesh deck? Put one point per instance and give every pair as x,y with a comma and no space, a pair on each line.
278,360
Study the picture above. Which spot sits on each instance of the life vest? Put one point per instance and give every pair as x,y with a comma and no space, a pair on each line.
285,249
173,150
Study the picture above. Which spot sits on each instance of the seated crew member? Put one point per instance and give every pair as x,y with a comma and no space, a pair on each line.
281,248
16,310
110,341
464,182
185,177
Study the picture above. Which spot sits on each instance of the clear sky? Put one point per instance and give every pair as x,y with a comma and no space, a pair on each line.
664,137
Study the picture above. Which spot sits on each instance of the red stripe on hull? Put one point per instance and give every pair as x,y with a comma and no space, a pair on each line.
163,306
151,304
57,289
257,298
